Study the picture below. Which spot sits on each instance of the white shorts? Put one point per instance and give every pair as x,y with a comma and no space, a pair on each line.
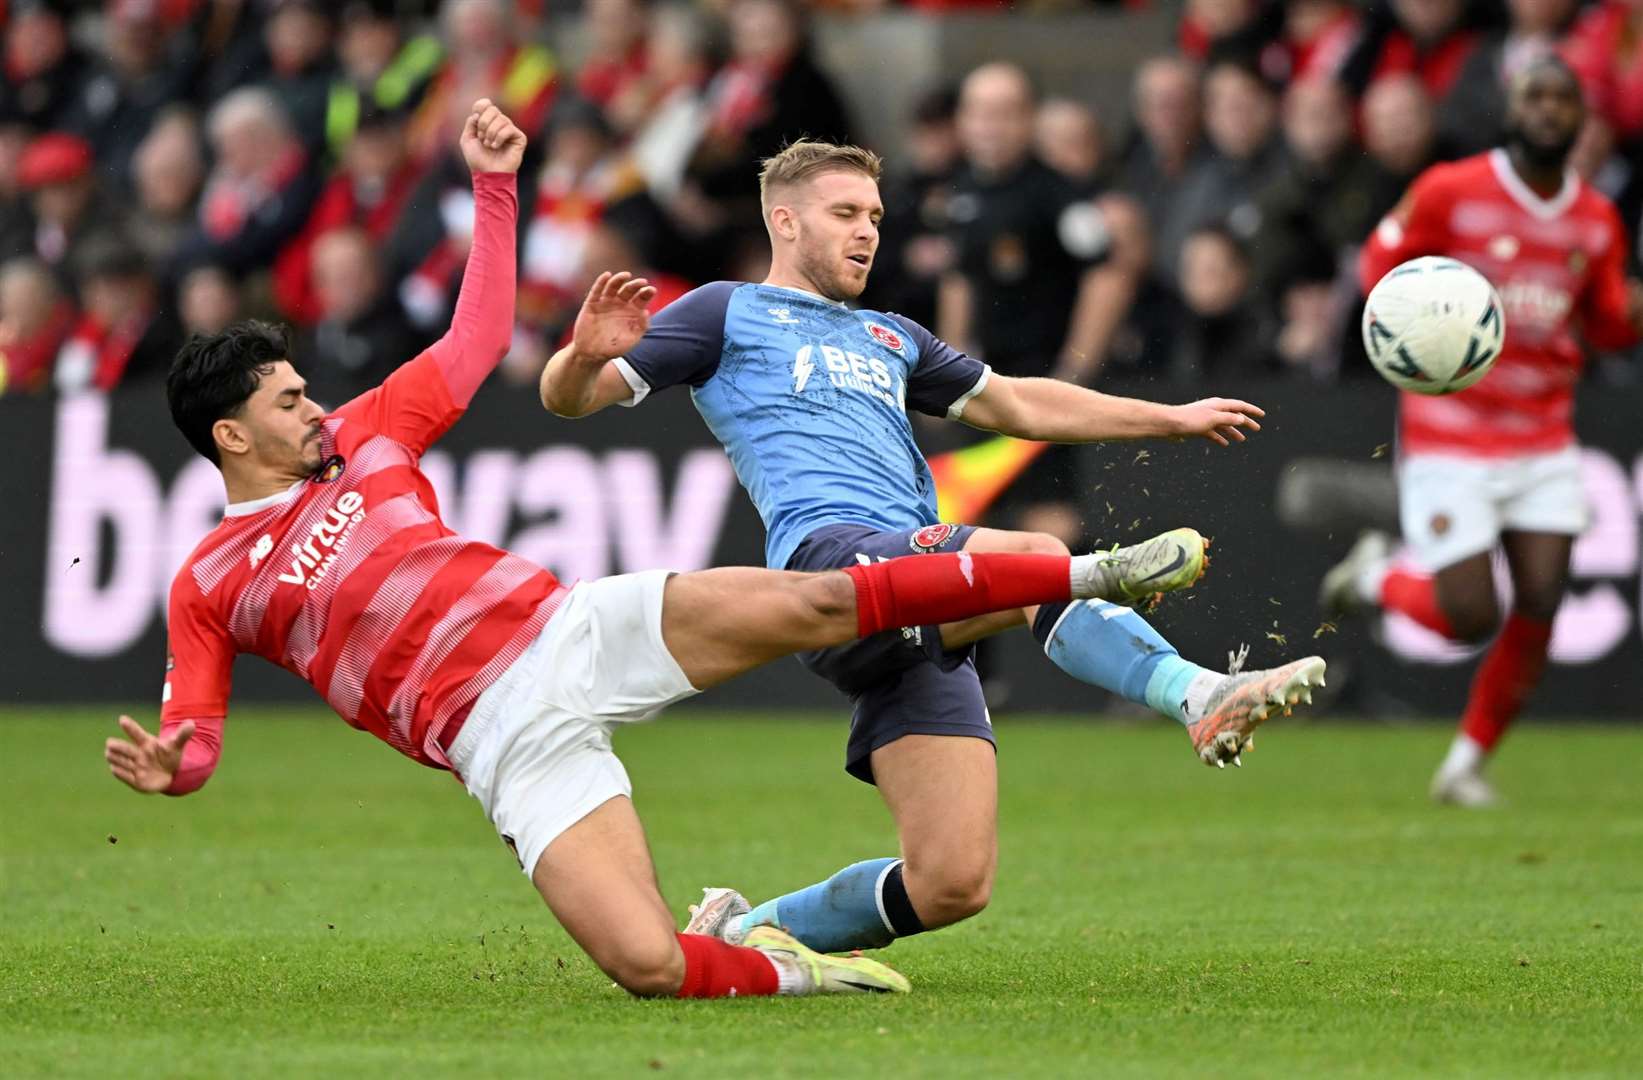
535,748
1452,508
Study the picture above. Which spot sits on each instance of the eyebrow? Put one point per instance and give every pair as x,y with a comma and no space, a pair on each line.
295,390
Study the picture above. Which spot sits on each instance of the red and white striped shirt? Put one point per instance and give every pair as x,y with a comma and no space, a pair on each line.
349,579
1559,266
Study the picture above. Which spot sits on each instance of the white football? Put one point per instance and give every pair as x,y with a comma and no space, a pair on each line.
1433,325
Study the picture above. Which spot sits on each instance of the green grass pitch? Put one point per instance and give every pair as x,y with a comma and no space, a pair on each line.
324,907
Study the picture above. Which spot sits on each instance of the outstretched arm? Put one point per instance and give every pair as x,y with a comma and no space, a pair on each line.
580,378
482,325
1055,411
178,760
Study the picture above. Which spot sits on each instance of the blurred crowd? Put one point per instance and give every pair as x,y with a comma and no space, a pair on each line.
169,166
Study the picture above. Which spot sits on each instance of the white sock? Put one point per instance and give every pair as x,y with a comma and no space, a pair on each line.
790,981
1198,691
1465,755
1087,580
735,930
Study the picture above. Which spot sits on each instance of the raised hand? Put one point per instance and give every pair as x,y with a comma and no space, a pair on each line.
490,141
1220,420
147,762
613,317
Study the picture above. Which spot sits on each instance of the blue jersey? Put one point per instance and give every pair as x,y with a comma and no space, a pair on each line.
810,400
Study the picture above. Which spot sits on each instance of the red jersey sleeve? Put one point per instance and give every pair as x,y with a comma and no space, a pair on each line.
199,666
1417,226
1605,319
419,402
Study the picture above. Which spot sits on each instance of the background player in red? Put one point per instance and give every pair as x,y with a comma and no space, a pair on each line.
1497,464
332,562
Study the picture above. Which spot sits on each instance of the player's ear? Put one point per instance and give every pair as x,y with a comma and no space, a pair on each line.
784,222
231,437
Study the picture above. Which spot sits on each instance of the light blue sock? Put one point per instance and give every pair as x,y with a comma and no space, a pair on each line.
1114,648
836,915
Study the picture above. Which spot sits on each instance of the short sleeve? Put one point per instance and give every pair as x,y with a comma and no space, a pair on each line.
199,659
683,344
413,406
1416,226
944,380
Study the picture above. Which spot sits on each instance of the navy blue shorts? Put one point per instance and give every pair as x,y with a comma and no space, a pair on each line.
900,682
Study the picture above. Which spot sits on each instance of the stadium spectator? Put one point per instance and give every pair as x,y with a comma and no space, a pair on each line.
168,169
587,179
1239,30
261,189
1240,119
426,250
1067,137
35,318
916,249
362,334
1605,51
143,68
16,219
69,206
1471,116
666,109
370,190
1165,143
617,34
1221,334
1399,133
1323,194
1314,301
769,93
1430,39
1318,37
301,64
484,55
43,70
208,300
123,331
384,66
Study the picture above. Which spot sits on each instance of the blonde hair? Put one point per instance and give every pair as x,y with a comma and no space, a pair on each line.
806,158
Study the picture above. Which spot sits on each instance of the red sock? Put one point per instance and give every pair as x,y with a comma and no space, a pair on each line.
1508,673
1415,595
714,969
925,589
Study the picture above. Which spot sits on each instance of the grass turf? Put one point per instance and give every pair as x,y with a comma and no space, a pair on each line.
325,907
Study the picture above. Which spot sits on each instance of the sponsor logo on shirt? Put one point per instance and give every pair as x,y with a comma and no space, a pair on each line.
850,371
313,557
783,315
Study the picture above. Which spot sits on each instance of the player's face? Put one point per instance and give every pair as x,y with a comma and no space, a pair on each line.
839,233
1545,113
282,423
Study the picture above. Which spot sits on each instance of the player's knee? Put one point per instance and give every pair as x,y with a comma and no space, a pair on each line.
826,599
1539,602
1474,623
648,970
1042,543
954,893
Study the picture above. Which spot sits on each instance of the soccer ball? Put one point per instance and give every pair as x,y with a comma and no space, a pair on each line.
1433,326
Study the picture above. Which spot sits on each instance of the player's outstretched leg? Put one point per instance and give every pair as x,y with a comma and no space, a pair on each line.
720,623
598,878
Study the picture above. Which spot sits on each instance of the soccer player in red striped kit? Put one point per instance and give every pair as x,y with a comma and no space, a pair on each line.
1497,464
332,562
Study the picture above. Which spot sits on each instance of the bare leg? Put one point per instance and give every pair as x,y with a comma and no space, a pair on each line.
721,623
1540,571
1466,595
598,879
942,791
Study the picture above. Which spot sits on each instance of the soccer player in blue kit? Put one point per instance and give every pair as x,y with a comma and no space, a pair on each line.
810,400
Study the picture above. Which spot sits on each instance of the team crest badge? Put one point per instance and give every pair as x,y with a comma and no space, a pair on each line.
333,468
885,336
931,537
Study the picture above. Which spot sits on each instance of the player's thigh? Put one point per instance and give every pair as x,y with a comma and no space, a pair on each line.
956,635
1539,564
718,624
599,881
1466,596
942,791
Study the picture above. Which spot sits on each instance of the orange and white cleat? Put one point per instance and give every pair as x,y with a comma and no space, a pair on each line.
1244,701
